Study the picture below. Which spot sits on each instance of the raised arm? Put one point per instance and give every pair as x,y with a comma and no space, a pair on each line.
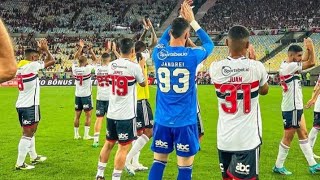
154,38
145,31
114,50
308,43
93,55
49,61
207,43
79,51
8,64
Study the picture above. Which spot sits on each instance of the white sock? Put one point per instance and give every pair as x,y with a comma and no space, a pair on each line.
101,168
307,151
23,149
76,131
313,136
135,159
96,137
282,155
138,145
116,175
86,130
33,154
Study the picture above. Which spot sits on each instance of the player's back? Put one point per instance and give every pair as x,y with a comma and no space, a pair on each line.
176,95
103,86
28,83
122,74
237,83
290,81
82,75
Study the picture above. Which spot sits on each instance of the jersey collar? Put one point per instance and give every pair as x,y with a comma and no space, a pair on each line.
241,58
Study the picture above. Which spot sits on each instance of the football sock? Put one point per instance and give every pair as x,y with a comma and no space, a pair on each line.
86,130
282,155
101,168
156,171
23,149
307,151
185,172
313,136
96,137
33,154
116,175
135,159
138,145
76,131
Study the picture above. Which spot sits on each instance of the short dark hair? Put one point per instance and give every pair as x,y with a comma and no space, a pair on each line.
105,56
295,48
126,44
29,51
238,32
139,45
179,25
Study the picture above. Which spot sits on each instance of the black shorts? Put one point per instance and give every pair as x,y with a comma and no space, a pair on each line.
144,115
240,165
101,108
28,116
83,103
123,131
316,120
200,125
292,119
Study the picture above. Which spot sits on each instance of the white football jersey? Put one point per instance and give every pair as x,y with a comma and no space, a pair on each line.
123,76
83,82
237,83
317,104
28,84
103,87
292,98
200,66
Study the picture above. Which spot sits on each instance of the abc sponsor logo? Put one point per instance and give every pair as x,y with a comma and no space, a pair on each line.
242,169
221,167
139,124
183,147
26,122
123,136
161,144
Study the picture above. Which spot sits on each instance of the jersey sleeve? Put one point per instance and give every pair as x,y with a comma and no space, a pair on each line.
264,77
138,74
202,52
37,65
212,71
293,67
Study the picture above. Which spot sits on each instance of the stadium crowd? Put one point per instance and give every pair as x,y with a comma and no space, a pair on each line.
262,14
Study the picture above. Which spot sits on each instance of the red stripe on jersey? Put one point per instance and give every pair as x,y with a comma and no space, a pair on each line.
285,77
26,75
130,78
253,85
83,76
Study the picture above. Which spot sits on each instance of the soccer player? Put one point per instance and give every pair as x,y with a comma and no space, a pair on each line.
238,81
292,106
8,64
121,123
176,100
28,102
144,111
315,100
81,71
103,94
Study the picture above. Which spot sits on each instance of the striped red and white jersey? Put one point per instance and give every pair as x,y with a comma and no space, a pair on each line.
123,75
82,75
237,83
28,84
292,98
102,82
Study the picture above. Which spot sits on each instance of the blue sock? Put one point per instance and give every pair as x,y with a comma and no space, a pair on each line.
156,171
185,172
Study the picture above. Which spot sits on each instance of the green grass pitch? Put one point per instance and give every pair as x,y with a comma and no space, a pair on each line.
76,159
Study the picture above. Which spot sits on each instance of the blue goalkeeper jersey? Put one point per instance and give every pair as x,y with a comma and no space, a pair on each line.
176,99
